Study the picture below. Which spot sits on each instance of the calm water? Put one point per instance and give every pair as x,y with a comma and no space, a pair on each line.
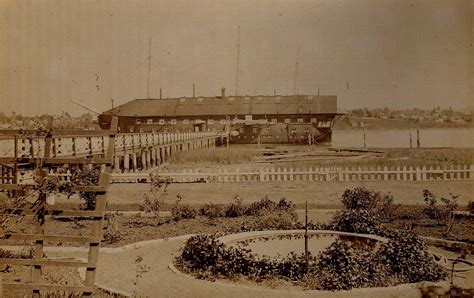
400,138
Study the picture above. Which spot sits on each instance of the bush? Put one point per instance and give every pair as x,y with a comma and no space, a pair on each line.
150,205
406,256
271,221
183,211
235,209
340,267
357,221
359,198
86,176
112,233
434,211
261,207
212,211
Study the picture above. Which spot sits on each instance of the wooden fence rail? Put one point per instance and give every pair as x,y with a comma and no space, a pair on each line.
86,145
335,174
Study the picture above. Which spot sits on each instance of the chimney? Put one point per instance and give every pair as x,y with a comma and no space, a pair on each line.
223,92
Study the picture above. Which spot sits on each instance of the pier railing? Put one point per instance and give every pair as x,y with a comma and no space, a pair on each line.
96,143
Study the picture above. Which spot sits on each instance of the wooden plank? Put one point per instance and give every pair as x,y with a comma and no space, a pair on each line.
46,287
84,188
60,238
57,160
46,262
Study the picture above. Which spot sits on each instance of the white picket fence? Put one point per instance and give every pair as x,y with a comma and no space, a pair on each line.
335,174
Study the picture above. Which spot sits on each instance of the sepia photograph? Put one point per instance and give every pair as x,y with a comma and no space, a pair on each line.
237,148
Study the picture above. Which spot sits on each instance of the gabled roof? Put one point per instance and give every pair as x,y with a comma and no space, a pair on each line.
229,105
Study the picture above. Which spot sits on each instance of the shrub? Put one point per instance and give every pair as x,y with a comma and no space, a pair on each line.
212,210
112,233
357,221
261,207
434,211
86,176
150,205
406,255
183,211
359,198
340,267
270,221
236,208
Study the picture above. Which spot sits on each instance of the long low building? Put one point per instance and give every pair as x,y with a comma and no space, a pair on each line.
249,119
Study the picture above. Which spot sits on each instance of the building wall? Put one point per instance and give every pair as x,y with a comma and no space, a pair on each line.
270,128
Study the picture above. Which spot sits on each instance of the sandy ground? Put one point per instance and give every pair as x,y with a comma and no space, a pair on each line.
118,270
318,194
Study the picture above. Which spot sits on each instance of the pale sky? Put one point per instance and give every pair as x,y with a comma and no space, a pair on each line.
373,53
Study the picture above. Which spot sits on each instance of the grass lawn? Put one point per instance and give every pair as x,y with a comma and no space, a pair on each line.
318,194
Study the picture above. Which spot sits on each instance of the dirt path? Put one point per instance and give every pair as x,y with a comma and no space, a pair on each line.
118,269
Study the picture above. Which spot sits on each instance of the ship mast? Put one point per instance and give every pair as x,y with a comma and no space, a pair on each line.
238,62
149,68
295,88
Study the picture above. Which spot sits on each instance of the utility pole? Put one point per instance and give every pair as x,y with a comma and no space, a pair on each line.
295,90
238,62
149,68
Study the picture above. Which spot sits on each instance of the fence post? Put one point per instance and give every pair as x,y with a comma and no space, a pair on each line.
310,174
423,173
418,173
262,176
340,175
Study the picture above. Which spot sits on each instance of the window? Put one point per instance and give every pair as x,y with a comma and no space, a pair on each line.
248,117
173,121
231,98
300,109
223,121
267,129
314,120
246,98
210,121
255,130
138,121
182,99
274,120
149,121
200,99
287,120
131,129
161,122
299,120
260,98
310,97
185,121
278,99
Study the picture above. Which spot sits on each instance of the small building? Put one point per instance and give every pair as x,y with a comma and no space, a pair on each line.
249,119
